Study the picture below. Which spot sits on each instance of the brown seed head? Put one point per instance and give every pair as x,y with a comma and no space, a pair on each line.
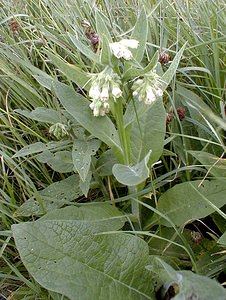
14,26
164,58
181,113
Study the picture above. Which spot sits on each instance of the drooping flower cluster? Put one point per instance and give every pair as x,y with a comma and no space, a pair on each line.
103,86
120,49
148,88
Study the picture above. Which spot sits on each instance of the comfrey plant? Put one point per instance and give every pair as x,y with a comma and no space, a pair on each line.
120,116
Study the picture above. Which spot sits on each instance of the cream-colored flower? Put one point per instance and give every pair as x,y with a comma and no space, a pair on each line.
130,43
104,95
116,91
120,49
150,96
94,91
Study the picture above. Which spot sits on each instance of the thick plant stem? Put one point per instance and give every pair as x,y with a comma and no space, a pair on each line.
126,158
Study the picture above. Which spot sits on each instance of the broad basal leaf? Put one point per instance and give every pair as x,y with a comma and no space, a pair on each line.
73,252
133,175
189,201
78,107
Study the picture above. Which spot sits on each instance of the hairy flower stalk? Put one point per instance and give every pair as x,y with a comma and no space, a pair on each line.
147,89
120,49
104,86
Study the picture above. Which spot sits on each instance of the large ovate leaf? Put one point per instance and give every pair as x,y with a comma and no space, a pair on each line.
53,196
82,152
132,175
78,107
191,200
148,132
73,252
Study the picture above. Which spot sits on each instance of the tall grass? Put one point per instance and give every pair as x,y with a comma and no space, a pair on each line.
29,28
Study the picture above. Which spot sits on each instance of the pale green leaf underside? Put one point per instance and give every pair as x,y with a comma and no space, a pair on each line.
189,201
67,253
132,175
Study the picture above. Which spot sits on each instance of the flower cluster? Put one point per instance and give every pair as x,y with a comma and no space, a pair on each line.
120,49
148,88
103,86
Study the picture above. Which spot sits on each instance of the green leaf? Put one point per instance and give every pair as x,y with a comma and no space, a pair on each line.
71,71
148,132
105,38
60,161
102,29
196,102
39,147
215,165
53,196
30,149
82,152
105,163
139,33
85,185
134,72
189,201
134,175
222,239
83,49
42,114
71,251
78,107
168,75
